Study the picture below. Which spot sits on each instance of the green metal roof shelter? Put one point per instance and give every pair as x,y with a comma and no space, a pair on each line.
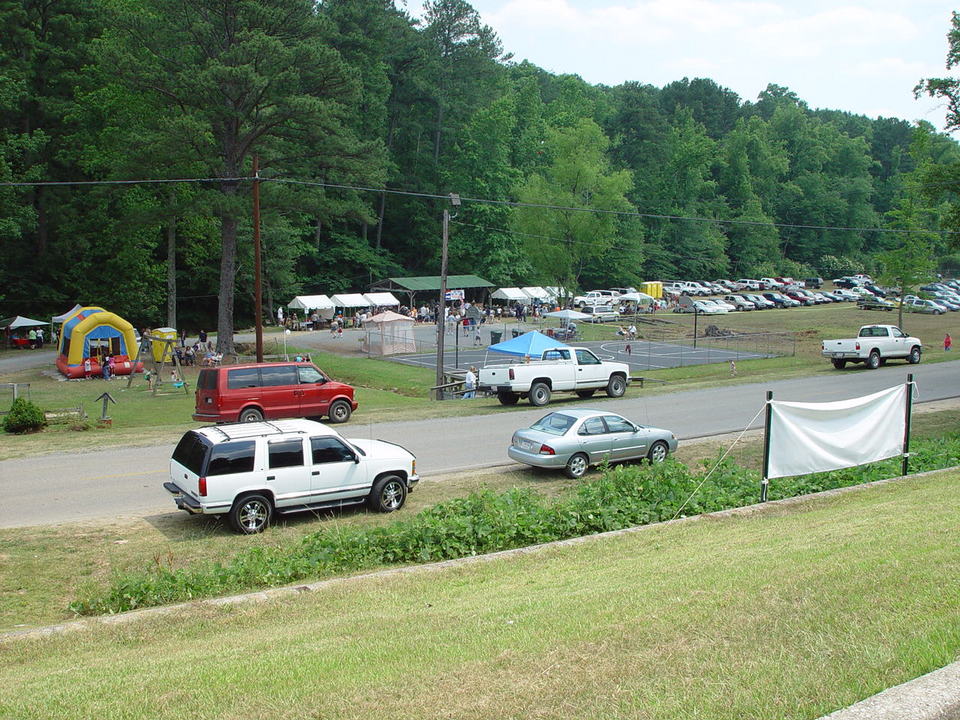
429,284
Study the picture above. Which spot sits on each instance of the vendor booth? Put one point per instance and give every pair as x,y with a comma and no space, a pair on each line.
389,333
90,337
15,330
511,295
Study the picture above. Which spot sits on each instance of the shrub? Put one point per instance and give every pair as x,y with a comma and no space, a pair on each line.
24,417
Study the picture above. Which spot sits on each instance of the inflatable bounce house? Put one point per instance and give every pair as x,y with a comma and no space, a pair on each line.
90,337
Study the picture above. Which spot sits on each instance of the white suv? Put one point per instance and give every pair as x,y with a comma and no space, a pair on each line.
250,471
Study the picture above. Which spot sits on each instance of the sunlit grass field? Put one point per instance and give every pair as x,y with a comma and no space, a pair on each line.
790,612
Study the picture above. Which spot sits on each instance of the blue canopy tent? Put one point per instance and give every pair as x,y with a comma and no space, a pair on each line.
532,343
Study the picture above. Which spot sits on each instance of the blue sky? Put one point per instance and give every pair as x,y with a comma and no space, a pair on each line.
855,55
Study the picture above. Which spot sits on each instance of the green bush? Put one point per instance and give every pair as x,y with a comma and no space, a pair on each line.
484,522
24,417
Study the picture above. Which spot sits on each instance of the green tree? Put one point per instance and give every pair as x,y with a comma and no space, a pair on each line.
562,242
247,77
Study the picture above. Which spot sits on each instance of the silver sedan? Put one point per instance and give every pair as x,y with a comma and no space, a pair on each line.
573,440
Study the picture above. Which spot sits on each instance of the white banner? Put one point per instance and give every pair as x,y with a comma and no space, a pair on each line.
815,437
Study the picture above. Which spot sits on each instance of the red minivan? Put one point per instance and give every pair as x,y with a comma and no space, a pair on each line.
254,392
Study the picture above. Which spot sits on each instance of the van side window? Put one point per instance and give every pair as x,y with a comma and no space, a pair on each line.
309,375
285,453
330,450
232,457
243,378
273,375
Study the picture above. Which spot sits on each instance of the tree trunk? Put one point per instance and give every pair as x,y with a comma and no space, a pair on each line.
172,271
228,272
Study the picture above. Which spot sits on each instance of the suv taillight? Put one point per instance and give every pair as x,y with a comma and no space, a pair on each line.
202,487
858,346
511,374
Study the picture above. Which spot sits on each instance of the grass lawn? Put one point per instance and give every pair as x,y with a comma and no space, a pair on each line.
790,612
45,568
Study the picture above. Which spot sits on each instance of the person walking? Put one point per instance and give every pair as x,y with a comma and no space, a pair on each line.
32,336
470,383
947,342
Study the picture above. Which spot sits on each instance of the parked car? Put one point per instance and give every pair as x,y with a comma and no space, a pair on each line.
813,282
833,296
759,301
739,302
573,440
799,298
729,307
254,471
768,283
600,313
875,303
920,305
254,392
846,294
596,297
781,301
873,346
704,307
748,284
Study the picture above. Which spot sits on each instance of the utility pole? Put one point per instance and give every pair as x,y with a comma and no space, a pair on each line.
257,289
441,313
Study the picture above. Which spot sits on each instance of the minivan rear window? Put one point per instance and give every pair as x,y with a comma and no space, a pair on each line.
232,457
191,452
243,378
207,380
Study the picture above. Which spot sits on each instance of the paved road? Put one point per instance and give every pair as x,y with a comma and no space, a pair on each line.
122,482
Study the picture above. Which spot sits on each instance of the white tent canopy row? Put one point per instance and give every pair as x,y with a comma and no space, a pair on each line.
514,294
348,300
527,295
311,302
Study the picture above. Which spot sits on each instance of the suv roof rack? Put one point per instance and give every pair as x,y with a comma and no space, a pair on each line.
239,431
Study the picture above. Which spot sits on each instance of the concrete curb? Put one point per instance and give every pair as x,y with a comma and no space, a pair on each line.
935,696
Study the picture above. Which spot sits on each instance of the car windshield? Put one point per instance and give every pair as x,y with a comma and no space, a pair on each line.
554,423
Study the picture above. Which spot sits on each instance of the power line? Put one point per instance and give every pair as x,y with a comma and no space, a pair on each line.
485,201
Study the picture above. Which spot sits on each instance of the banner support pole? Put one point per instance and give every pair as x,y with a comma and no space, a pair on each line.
764,480
908,409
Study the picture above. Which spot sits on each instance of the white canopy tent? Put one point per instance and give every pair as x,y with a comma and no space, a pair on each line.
389,333
511,294
18,321
556,293
311,302
350,300
381,299
536,293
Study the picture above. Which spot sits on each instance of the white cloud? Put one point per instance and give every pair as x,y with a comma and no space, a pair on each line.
855,56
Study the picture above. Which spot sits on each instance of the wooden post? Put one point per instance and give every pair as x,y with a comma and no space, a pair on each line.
257,287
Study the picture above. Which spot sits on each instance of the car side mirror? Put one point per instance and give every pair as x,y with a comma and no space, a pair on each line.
356,459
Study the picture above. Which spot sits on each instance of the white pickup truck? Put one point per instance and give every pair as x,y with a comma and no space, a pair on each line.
562,369
873,345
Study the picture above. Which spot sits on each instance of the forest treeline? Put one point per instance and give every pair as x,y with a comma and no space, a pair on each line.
365,120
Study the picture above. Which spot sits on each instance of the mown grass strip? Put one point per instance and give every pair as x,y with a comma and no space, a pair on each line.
485,522
789,613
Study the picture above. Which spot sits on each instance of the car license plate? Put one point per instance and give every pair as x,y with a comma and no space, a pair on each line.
526,444
838,355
